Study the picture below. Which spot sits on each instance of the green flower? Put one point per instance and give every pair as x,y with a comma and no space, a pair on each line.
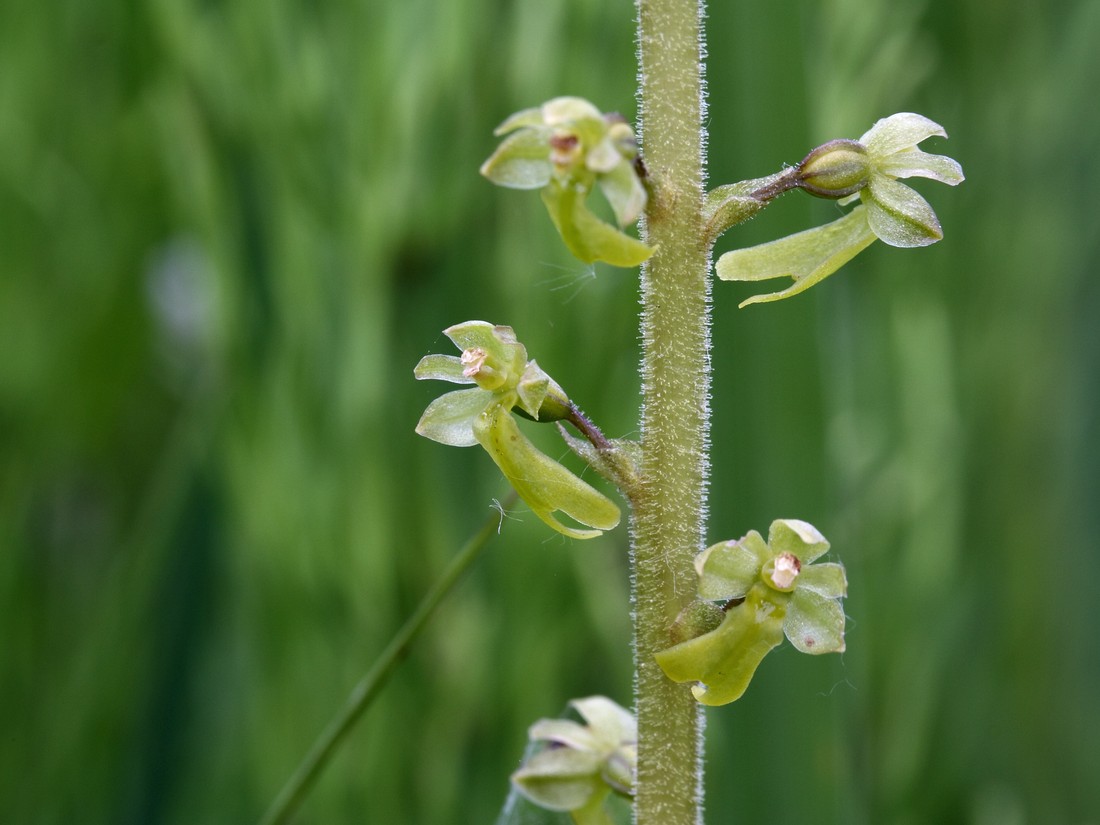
775,591
581,764
505,380
566,147
867,169
897,214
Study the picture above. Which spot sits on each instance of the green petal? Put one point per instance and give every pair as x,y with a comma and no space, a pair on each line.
470,334
441,368
723,661
585,235
608,721
826,580
791,535
541,482
729,569
914,163
450,418
522,161
498,341
603,156
532,388
897,132
525,117
898,215
814,624
807,257
566,732
624,192
576,115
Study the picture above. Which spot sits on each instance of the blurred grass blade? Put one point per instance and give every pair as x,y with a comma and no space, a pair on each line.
299,784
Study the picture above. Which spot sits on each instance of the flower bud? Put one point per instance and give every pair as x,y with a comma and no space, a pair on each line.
835,169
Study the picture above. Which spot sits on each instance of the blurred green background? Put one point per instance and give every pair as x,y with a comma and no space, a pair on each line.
228,230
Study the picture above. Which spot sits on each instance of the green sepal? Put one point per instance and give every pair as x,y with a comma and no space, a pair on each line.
497,340
814,623
522,161
450,418
585,235
607,726
913,163
532,388
565,732
561,779
800,538
807,257
729,569
623,191
576,116
540,397
723,662
611,724
541,482
441,368
898,215
899,132
603,156
525,117
827,580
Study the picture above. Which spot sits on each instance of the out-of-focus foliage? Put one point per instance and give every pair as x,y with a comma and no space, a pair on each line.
228,231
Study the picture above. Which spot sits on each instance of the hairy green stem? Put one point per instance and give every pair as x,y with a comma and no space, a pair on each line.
670,508
299,784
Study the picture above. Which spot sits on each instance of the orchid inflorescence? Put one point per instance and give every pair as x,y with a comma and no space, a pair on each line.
751,593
